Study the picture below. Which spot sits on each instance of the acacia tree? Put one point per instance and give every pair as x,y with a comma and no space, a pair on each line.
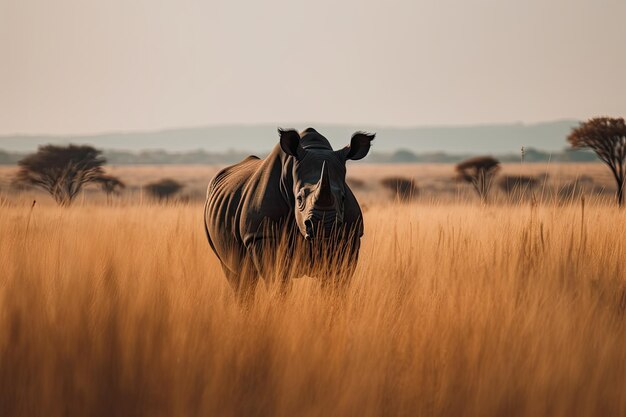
479,172
606,136
62,171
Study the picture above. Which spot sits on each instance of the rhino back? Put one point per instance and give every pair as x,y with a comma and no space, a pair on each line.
241,200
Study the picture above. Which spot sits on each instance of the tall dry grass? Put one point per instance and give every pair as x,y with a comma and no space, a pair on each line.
454,310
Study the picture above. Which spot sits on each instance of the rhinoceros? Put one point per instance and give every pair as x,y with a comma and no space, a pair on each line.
288,215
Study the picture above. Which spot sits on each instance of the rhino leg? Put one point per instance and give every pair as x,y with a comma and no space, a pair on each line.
274,272
243,282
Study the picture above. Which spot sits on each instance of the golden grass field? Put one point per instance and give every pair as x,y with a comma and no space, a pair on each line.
456,309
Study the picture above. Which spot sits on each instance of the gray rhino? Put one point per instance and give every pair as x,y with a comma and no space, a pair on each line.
288,215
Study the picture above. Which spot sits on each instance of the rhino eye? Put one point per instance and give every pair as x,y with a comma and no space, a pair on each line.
300,201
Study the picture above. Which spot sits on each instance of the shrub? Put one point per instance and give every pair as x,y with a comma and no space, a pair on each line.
517,183
355,183
164,189
402,188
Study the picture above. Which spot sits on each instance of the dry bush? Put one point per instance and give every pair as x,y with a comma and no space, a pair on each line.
517,184
164,189
442,318
356,183
402,189
572,191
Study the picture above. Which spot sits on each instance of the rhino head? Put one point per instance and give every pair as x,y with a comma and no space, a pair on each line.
319,178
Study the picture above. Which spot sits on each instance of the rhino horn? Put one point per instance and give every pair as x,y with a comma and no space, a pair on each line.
324,197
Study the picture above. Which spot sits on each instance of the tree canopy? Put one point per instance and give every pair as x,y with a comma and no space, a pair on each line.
606,136
62,171
479,172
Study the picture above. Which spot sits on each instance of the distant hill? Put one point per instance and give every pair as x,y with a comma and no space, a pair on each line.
202,157
496,139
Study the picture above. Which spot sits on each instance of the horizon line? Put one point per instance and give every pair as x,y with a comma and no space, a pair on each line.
307,124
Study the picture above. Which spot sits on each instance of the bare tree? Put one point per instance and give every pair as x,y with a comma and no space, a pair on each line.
164,189
607,138
479,172
62,171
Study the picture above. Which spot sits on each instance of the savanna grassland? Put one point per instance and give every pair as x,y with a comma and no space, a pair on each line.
514,308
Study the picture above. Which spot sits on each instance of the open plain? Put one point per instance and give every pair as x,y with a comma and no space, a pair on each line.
513,308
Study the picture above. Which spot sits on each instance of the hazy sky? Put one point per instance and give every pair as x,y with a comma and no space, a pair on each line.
79,66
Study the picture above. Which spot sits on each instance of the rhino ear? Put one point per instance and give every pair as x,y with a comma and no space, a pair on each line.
290,142
359,146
